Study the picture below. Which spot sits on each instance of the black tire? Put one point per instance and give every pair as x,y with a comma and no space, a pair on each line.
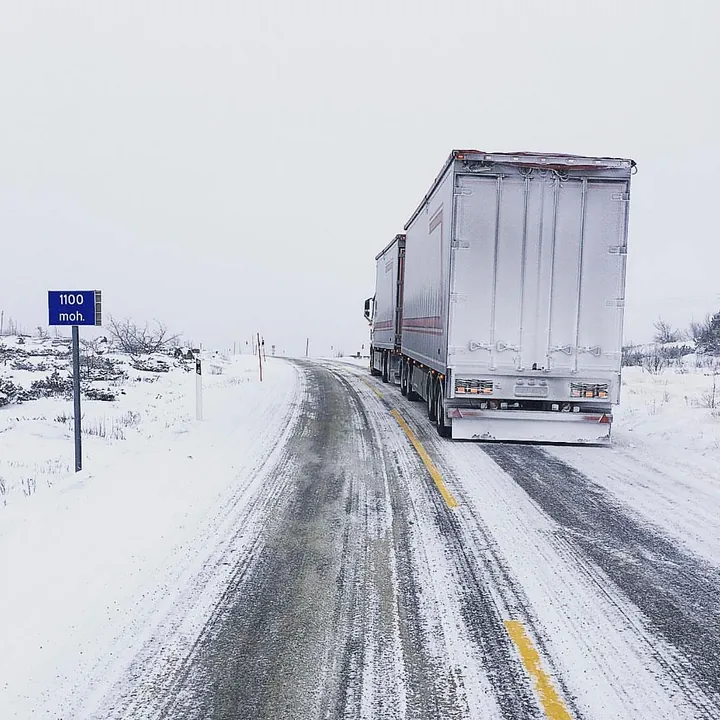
431,406
412,396
443,429
385,370
403,377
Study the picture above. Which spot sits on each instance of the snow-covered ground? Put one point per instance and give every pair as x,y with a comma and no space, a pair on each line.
675,410
93,563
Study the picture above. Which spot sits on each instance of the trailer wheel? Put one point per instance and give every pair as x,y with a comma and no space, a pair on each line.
403,377
411,394
443,429
431,406
385,366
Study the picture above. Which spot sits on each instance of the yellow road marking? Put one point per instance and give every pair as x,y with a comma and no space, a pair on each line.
372,387
551,702
429,464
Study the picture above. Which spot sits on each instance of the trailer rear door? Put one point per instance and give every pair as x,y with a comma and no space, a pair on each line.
538,272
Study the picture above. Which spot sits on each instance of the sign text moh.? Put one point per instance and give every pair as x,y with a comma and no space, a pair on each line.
74,307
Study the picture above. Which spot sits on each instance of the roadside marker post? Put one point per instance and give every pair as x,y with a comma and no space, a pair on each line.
260,357
198,388
75,308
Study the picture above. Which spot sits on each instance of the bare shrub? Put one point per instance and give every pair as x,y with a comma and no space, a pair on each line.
698,328
711,398
632,356
130,419
665,334
135,340
655,361
99,428
29,486
114,429
95,365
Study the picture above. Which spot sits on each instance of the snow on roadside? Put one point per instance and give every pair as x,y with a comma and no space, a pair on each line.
672,407
94,561
140,397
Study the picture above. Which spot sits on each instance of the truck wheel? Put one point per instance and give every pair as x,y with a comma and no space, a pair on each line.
443,429
411,394
385,364
403,377
431,405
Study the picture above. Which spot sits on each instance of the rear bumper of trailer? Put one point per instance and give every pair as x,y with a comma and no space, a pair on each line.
587,428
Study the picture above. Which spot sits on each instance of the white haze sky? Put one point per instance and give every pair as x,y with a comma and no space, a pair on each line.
228,166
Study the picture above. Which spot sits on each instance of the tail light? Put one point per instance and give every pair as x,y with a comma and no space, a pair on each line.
590,390
473,387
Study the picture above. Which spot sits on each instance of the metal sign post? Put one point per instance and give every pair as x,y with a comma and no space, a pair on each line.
76,396
75,308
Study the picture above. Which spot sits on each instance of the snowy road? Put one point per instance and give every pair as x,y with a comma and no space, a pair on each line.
375,570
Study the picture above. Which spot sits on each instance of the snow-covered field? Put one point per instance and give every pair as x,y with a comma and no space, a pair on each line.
673,411
92,563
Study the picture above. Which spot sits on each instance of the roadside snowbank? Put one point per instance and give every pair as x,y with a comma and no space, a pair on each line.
94,562
677,406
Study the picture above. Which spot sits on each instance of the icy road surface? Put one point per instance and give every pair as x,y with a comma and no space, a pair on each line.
361,567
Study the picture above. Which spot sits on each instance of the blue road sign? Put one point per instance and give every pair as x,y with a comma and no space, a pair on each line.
74,307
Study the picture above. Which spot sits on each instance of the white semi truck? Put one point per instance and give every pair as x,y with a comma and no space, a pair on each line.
502,304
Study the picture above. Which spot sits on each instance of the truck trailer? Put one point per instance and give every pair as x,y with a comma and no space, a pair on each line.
501,306
387,304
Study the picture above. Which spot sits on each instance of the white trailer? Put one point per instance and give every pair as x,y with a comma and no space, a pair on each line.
514,293
384,311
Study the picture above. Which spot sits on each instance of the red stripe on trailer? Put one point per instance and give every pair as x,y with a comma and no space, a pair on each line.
433,321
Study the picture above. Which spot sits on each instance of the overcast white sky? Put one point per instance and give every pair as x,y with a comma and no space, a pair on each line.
230,166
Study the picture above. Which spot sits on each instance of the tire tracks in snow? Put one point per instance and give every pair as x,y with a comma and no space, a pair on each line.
309,622
676,591
487,592
233,535
343,612
429,688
